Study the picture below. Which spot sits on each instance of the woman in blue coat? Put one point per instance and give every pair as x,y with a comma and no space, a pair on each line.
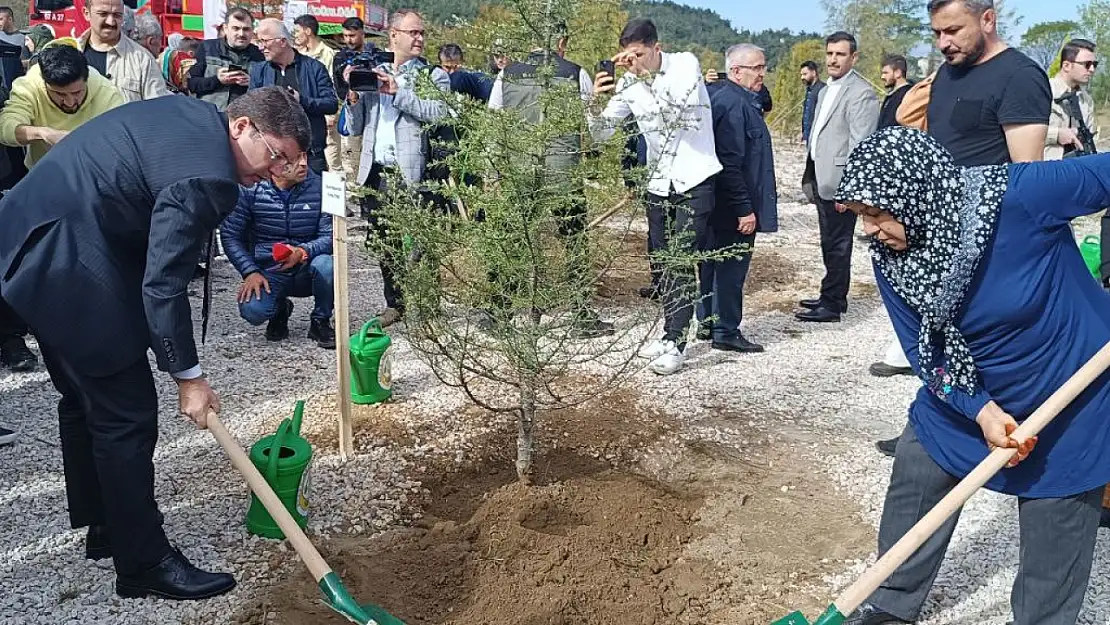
995,310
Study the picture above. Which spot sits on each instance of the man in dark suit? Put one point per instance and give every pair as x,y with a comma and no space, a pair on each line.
745,193
97,249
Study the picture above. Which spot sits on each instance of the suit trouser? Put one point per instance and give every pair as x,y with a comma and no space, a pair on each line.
109,426
1057,543
837,235
686,228
657,239
378,180
722,285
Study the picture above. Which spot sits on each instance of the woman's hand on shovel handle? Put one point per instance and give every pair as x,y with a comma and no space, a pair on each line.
195,398
997,426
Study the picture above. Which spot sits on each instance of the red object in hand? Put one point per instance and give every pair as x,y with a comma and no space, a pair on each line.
282,251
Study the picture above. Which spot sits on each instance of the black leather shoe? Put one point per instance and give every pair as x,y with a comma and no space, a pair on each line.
320,330
174,578
868,614
1104,520
648,292
98,545
888,446
810,304
737,344
15,355
278,328
883,370
818,315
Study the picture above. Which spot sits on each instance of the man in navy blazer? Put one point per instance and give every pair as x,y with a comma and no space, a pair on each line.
96,253
746,196
305,77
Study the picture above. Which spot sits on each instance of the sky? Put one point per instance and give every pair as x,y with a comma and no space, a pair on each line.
807,14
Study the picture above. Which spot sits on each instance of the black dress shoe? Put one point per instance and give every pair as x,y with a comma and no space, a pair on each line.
810,304
15,355
883,370
818,315
868,614
174,578
737,344
98,545
1104,519
887,447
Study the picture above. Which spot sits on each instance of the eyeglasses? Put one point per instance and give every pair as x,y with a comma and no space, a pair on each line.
411,33
265,42
756,68
1089,64
275,156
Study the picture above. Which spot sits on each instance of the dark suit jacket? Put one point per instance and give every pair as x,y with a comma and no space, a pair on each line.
746,184
318,98
100,240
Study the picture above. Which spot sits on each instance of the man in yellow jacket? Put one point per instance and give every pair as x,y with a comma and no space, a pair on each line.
57,95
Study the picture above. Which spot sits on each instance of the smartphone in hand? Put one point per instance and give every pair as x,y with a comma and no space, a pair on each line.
608,67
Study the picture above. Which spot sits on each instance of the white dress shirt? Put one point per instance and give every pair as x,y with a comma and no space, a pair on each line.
674,116
832,92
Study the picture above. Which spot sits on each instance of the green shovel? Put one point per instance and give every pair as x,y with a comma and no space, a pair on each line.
873,577
335,593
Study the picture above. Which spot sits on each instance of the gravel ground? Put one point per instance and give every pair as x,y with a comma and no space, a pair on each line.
810,391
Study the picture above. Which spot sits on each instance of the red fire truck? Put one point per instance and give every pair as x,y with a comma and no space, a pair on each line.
67,17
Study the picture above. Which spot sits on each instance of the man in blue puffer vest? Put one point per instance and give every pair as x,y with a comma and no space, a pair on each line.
279,240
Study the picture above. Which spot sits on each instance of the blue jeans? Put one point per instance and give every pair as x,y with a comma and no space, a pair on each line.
315,278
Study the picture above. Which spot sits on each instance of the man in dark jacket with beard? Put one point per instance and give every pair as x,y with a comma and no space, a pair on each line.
279,239
746,197
96,253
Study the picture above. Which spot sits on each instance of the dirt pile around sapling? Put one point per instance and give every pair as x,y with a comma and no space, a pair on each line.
593,549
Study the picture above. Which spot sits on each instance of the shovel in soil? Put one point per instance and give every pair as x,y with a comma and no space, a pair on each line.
873,577
335,593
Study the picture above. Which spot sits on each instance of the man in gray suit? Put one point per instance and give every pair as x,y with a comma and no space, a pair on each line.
391,121
847,112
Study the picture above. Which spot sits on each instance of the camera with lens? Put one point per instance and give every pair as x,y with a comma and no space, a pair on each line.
362,65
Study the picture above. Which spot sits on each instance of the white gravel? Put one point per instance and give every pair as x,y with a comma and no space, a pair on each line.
809,390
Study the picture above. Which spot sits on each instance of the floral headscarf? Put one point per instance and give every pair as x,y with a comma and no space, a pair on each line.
950,214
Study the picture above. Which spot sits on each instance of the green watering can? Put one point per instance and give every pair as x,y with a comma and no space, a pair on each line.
371,364
283,459
1091,249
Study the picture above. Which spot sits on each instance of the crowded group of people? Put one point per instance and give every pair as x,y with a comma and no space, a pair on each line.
990,302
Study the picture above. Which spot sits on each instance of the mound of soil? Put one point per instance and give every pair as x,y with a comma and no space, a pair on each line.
594,549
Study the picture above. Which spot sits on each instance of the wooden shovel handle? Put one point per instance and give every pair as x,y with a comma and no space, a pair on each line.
871,579
293,533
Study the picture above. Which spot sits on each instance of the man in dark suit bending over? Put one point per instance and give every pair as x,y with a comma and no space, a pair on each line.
97,249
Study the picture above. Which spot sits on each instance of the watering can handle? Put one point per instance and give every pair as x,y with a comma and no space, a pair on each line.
373,323
1092,238
275,450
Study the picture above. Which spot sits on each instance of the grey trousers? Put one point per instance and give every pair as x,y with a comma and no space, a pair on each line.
1057,543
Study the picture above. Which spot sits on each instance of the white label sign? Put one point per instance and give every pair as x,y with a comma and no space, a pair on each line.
335,194
292,10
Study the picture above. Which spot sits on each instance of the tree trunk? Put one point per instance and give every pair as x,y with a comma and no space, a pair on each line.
524,441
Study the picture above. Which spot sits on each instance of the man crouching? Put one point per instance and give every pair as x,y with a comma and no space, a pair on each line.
279,240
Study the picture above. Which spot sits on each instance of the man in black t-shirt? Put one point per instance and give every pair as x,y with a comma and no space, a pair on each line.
989,103
894,72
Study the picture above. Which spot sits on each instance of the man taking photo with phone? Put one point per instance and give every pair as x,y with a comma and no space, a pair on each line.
220,73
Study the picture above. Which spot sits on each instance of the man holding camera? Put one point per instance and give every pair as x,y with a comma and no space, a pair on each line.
382,107
666,95
1072,128
220,73
304,77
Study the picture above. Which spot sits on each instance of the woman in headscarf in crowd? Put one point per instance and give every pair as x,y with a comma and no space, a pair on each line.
175,61
995,310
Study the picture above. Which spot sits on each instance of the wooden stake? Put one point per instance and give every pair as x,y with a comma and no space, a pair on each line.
342,336
607,214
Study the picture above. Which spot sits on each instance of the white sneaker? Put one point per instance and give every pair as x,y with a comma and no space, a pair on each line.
670,362
655,349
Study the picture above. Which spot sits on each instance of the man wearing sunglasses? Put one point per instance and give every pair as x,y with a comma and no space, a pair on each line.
96,254
1072,125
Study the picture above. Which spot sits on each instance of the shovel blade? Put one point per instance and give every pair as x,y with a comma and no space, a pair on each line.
338,599
832,616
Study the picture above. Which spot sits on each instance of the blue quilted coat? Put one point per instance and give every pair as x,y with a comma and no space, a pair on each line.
265,215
